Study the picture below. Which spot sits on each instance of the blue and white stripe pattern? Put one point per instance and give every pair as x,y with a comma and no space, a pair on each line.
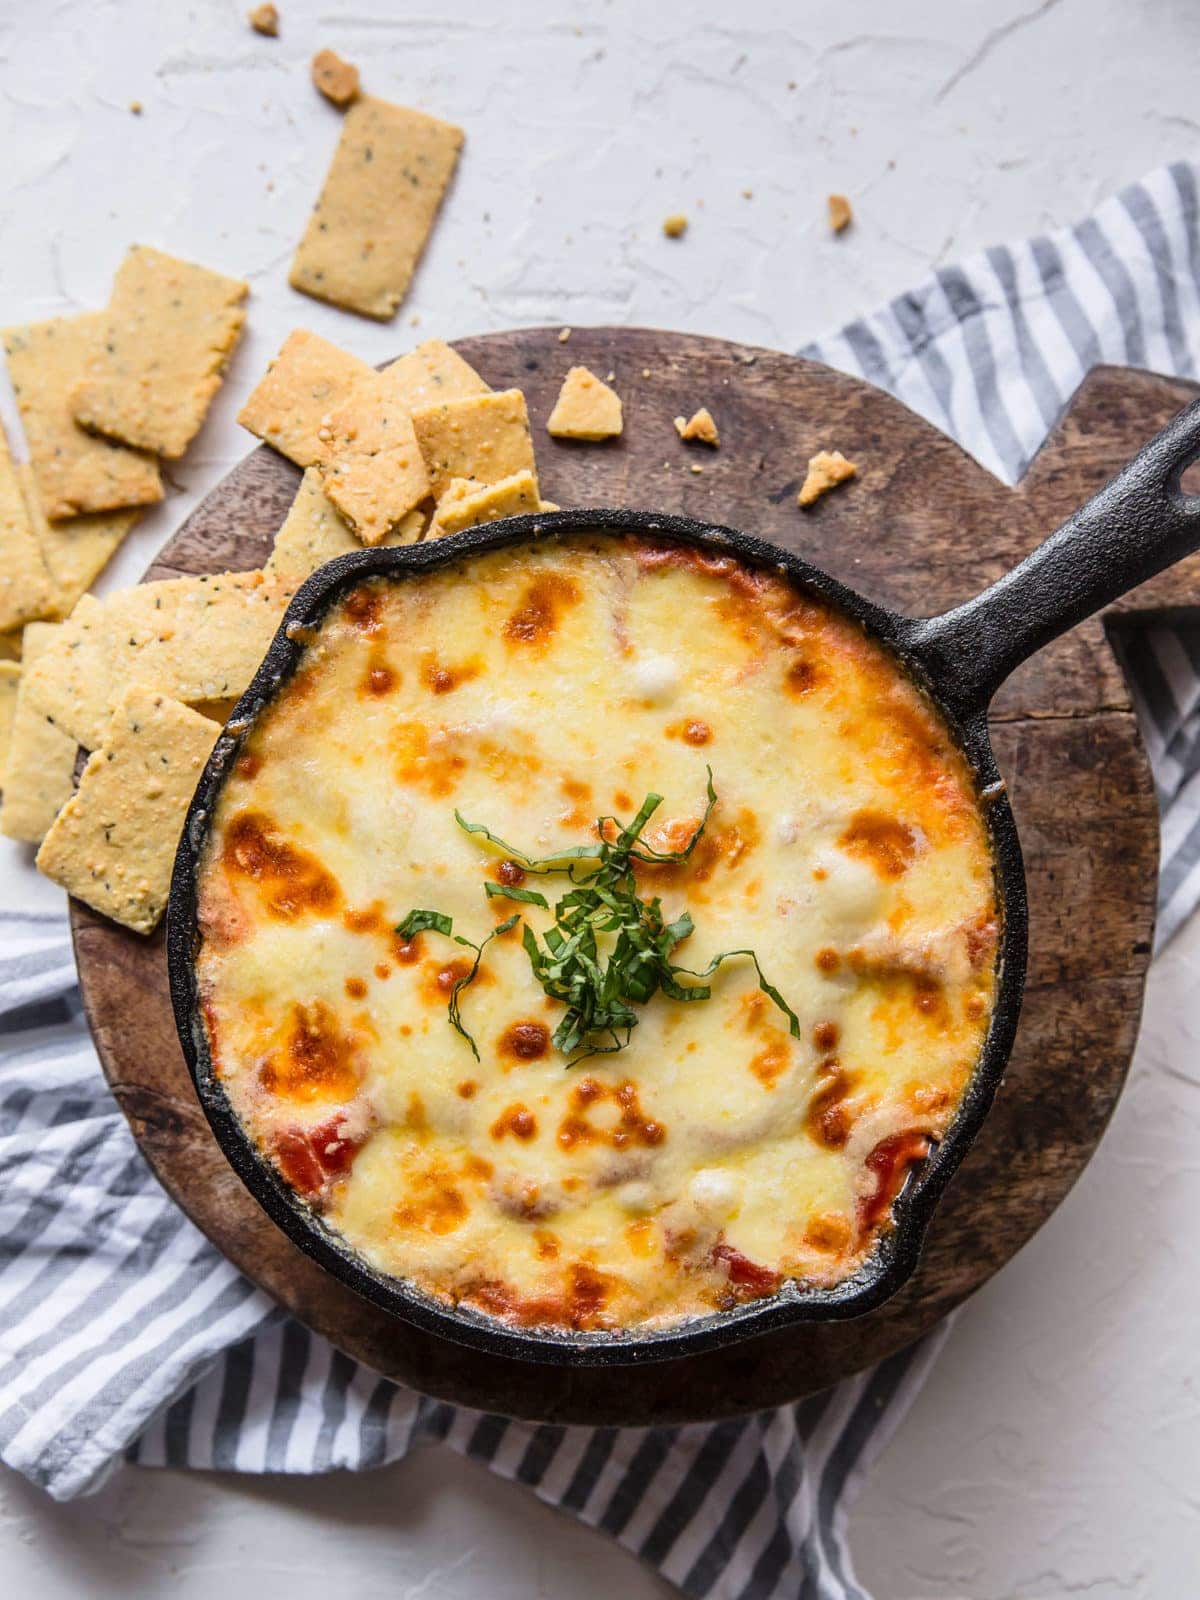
123,1333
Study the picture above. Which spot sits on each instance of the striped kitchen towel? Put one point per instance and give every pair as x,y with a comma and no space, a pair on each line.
123,1333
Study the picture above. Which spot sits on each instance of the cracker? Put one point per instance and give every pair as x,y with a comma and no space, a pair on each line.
40,768
376,208
336,79
428,374
78,549
10,645
314,532
293,404
586,408
166,339
826,470
467,504
113,843
75,471
699,427
191,638
376,473
10,678
69,678
482,436
27,586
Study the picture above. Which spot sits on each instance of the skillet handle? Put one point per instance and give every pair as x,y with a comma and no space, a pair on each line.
1139,523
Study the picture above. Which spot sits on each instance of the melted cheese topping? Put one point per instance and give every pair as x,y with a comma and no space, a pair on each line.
534,690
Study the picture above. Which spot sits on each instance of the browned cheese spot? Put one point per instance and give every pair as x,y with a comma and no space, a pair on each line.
525,1041
435,1205
546,599
801,675
363,608
828,1120
380,679
626,1123
886,842
830,1232
425,762
517,1120
770,1061
826,1036
289,881
440,677
316,1062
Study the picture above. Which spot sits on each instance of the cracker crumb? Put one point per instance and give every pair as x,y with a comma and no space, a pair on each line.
826,470
696,468
675,226
136,107
264,19
841,214
585,408
563,335
645,372
700,427
336,79
747,194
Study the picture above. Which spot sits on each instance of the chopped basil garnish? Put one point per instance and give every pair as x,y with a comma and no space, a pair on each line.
600,986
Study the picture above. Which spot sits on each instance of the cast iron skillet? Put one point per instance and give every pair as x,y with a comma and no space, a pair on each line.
1138,524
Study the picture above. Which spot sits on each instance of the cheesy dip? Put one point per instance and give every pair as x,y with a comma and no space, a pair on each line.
503,721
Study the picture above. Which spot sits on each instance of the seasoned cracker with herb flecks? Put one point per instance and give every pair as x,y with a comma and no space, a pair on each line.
294,401
376,208
113,843
10,677
314,532
194,639
431,373
40,765
466,504
165,341
75,471
76,549
375,474
483,436
27,586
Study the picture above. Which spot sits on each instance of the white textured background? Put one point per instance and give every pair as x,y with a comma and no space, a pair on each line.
1056,1450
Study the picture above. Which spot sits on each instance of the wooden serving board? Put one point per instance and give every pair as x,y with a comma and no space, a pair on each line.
923,528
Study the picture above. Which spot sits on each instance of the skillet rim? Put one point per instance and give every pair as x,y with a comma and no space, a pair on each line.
896,1256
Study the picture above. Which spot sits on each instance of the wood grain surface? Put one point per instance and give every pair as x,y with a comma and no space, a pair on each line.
923,528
